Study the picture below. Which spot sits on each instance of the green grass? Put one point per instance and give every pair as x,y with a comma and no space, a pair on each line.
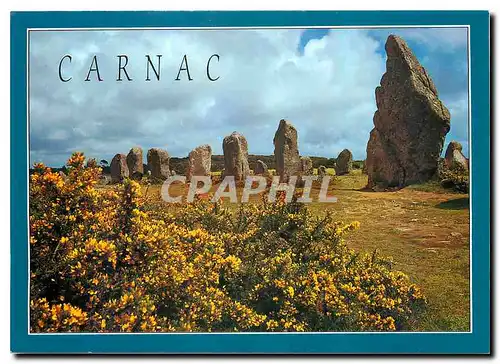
329,171
426,234
430,186
455,204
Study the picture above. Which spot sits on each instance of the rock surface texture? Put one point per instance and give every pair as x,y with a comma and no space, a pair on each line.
200,162
235,148
134,163
286,151
119,168
158,163
454,156
321,171
306,166
343,164
260,168
410,122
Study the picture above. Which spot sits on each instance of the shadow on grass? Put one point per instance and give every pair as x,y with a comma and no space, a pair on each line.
364,189
455,204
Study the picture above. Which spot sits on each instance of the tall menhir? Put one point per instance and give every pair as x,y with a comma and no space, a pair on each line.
410,122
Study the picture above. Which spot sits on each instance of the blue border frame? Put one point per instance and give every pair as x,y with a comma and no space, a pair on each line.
477,342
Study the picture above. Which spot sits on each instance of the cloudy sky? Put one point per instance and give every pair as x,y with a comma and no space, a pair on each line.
322,80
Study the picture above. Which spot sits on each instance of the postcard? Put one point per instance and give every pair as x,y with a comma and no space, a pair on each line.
250,182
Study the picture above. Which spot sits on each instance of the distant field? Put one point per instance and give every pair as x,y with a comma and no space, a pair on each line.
424,228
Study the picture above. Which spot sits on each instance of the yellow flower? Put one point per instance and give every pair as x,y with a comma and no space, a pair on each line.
271,324
136,263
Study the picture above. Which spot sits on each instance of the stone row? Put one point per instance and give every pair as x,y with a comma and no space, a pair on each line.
405,145
235,147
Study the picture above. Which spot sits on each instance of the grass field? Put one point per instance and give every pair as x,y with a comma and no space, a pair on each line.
424,228
426,231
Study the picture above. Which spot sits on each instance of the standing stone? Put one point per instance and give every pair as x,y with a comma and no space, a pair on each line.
235,148
200,161
410,122
158,164
260,168
454,156
134,163
343,165
119,168
306,166
321,171
91,163
104,179
286,151
364,171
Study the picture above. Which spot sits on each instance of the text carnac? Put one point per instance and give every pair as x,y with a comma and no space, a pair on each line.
152,70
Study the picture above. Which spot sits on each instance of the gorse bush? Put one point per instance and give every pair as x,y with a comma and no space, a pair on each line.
112,260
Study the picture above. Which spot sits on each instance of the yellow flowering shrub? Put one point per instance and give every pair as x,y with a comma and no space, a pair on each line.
112,260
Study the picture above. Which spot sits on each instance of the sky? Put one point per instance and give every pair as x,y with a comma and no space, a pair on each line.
321,80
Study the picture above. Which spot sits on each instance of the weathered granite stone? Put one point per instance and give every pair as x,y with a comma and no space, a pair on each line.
286,151
306,166
104,179
410,122
260,168
235,148
343,164
119,168
159,163
321,171
134,163
91,163
454,156
200,161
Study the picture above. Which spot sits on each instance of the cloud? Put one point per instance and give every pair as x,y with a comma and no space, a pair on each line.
443,39
324,86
